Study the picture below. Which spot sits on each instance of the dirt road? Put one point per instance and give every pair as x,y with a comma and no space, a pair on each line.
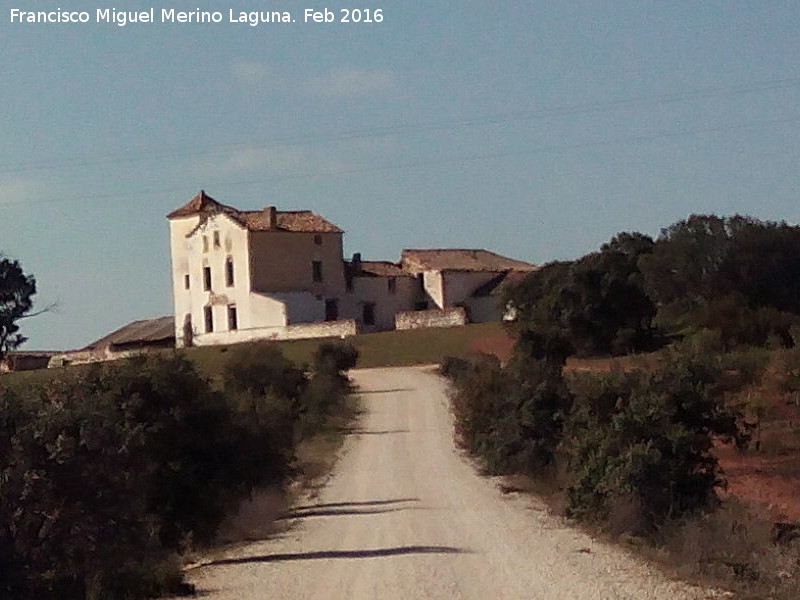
405,516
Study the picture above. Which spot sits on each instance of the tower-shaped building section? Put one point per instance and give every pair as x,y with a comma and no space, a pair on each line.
240,275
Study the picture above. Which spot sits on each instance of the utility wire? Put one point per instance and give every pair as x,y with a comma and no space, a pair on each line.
429,162
397,130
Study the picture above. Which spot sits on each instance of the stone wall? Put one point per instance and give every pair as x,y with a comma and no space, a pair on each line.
300,331
417,319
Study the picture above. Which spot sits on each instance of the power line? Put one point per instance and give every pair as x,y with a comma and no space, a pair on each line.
431,162
396,130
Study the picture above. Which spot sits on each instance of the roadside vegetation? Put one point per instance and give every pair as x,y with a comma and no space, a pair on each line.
709,313
109,473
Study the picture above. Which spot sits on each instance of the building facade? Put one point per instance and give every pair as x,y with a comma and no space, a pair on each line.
270,274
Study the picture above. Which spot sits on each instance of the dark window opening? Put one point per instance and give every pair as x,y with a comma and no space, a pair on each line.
368,313
331,309
318,240
209,318
348,280
392,285
206,278
205,243
188,330
186,281
216,239
316,270
233,323
229,272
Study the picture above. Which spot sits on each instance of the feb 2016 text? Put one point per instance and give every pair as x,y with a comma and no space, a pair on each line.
170,15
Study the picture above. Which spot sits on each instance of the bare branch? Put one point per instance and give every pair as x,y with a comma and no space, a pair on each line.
52,307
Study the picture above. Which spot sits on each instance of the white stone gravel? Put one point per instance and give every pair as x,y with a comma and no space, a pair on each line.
405,516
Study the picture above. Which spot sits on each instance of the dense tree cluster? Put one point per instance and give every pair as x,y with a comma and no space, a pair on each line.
736,276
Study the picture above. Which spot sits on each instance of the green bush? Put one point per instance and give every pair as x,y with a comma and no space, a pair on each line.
333,358
106,473
454,368
261,369
328,386
73,503
511,417
632,450
643,440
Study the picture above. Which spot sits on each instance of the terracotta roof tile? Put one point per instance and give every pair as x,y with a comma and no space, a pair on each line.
201,203
460,260
302,221
377,268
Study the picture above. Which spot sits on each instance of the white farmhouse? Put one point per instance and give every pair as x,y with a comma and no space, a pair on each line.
269,274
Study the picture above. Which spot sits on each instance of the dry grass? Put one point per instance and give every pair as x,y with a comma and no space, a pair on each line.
260,517
732,548
317,455
256,518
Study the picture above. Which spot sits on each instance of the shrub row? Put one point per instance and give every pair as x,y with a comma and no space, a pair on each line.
107,474
637,443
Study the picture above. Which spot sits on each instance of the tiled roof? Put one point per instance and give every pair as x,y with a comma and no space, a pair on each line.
201,203
303,221
138,332
376,268
460,260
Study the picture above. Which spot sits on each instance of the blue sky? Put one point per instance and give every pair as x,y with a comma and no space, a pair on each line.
535,129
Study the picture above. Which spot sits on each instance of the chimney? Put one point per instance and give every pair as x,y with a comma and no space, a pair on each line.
271,216
356,263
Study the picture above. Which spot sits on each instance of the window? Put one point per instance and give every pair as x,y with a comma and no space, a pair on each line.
318,240
229,272
233,323
186,281
209,318
331,309
216,239
316,270
205,243
392,285
206,278
368,313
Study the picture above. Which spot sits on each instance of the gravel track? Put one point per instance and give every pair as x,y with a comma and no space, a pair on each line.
405,516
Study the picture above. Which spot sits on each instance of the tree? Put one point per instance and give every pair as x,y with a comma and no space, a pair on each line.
595,305
736,275
611,312
16,292
684,266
